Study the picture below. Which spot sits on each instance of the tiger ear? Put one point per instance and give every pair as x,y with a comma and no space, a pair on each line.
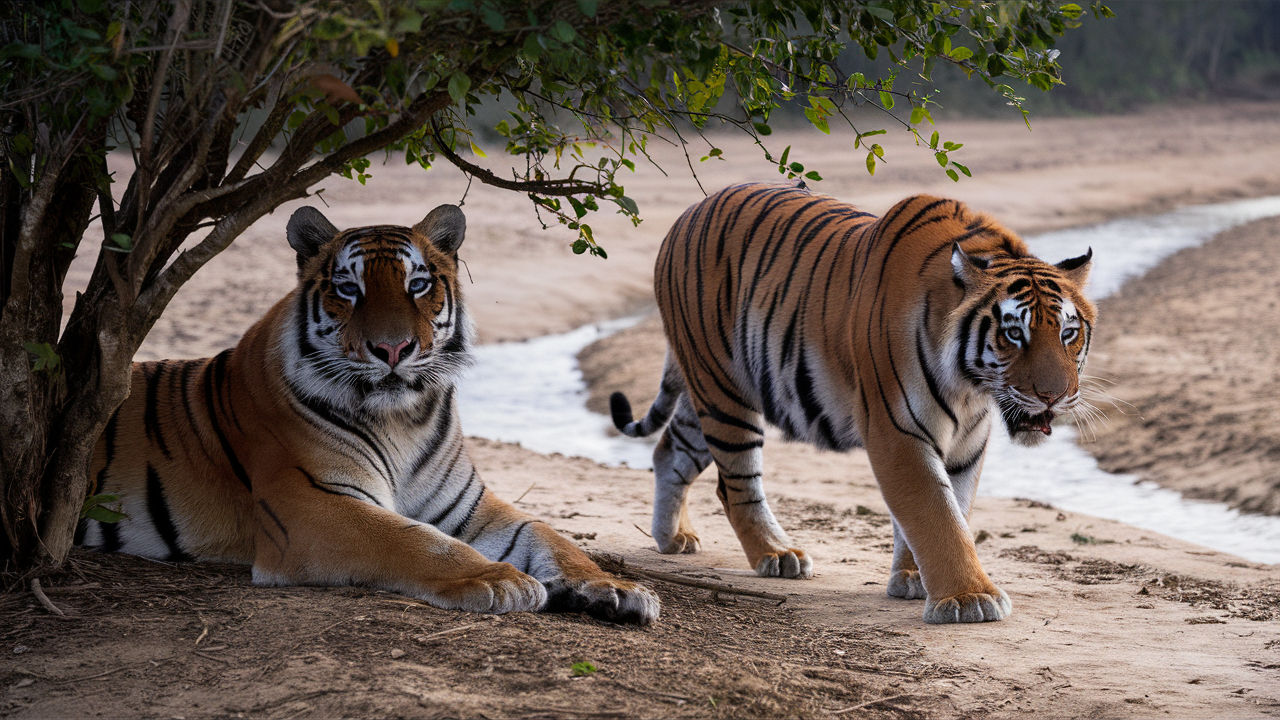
445,227
965,269
1076,269
308,231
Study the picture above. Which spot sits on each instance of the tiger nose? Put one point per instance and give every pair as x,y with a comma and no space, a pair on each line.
1050,396
391,355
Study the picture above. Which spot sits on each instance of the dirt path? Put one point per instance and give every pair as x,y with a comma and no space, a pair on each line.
1136,625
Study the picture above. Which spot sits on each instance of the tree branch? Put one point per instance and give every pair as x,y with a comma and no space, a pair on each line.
556,188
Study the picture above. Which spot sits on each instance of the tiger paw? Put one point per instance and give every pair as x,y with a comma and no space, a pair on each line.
789,563
906,584
604,598
499,588
679,542
968,608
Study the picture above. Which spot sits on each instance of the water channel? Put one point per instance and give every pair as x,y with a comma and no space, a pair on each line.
532,393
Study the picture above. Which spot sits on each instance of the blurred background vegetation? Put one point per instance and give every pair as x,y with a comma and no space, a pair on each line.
1154,51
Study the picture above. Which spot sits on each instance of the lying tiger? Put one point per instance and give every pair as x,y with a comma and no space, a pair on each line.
901,334
325,448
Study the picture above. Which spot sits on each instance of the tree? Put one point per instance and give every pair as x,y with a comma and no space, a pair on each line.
229,108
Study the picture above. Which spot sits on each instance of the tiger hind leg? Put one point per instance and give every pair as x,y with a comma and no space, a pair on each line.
678,459
737,446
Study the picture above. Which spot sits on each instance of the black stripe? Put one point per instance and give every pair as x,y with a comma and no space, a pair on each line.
732,447
151,411
441,516
160,517
227,450
514,537
471,511
967,464
271,513
110,536
324,487
929,379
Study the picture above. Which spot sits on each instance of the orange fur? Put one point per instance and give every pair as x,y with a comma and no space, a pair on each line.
848,330
325,447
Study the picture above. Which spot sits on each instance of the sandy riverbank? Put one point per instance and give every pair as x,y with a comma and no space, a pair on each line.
1135,624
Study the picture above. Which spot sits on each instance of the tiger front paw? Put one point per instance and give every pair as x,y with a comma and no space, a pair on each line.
499,588
906,584
969,608
604,598
789,563
681,541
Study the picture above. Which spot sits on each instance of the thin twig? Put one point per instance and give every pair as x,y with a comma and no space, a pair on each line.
207,656
641,530
620,567
44,599
869,703
75,679
442,633
526,492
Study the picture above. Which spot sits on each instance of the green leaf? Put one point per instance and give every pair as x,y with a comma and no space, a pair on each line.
563,32
584,668
960,53
941,157
952,174
762,128
410,22
476,149
871,163
588,7
785,154
952,146
917,115
579,246
628,205
124,243
886,99
459,84
933,141
813,175
94,508
796,167
493,18
884,14
533,47
961,168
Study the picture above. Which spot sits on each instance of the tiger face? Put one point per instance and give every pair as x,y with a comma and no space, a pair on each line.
1024,336
381,320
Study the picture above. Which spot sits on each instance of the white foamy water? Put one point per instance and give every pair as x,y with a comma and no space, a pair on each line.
532,393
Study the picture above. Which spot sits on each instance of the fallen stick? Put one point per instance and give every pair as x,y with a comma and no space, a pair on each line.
44,599
450,631
620,567
868,703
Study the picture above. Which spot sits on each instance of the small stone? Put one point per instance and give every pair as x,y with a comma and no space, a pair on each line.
397,653
19,649
24,682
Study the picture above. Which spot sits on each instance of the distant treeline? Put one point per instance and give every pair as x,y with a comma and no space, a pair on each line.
1153,50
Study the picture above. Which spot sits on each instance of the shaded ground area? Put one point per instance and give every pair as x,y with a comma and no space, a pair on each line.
153,640
1193,350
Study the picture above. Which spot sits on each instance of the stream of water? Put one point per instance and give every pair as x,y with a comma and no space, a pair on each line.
532,393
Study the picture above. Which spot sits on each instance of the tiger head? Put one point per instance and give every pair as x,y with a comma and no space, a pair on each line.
1023,334
378,317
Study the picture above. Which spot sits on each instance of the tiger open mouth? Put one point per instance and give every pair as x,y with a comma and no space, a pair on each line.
1019,421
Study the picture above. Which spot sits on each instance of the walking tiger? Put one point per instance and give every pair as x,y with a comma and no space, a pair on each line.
325,447
906,335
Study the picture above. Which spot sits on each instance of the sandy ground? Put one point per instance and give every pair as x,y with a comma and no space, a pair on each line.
1115,622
